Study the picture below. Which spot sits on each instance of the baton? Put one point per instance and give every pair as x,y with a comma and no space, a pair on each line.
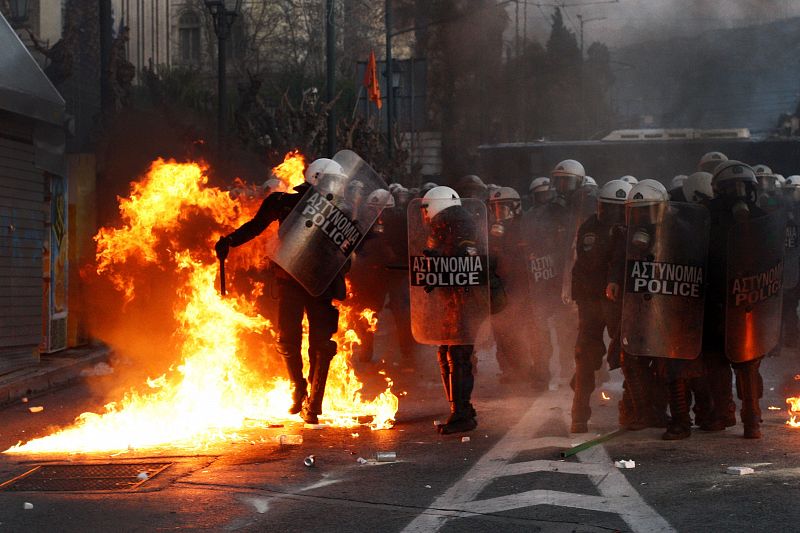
222,276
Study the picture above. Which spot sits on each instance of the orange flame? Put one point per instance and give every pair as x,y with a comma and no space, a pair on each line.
794,412
290,172
212,393
604,396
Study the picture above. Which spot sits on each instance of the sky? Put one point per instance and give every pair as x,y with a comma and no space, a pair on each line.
628,21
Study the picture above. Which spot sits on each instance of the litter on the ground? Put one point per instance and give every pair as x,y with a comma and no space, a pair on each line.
625,463
464,439
361,461
36,409
427,486
386,456
24,399
100,369
310,461
739,470
290,440
142,476
27,506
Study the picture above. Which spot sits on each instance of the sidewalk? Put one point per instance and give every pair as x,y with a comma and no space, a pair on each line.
52,371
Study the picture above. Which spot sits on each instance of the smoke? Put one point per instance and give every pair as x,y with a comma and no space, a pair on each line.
630,21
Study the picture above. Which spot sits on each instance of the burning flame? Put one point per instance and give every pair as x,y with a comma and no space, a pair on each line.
604,396
211,394
290,172
794,412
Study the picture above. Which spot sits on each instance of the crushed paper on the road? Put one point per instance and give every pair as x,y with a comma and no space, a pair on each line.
625,463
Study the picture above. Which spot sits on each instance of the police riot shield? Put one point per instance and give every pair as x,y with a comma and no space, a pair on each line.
547,238
665,270
583,204
791,259
330,220
754,287
448,269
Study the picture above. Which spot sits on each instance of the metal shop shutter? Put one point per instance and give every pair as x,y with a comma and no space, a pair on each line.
22,227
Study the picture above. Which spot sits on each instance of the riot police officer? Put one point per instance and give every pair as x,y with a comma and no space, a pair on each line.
710,161
598,238
539,192
506,248
756,249
550,234
295,300
452,233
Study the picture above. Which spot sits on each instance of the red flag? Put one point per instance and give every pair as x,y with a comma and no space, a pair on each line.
371,81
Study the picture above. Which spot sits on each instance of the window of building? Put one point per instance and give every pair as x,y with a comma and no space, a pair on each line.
189,37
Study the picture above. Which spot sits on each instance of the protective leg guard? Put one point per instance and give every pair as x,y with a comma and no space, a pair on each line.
638,382
444,369
750,388
703,405
462,413
294,367
720,382
680,425
582,384
312,408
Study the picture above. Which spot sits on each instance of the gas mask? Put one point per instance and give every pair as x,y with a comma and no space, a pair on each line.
739,196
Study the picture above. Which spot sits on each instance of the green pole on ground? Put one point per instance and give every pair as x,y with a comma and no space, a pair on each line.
589,443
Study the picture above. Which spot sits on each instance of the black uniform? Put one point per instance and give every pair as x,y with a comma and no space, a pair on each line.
512,325
550,230
453,233
596,245
294,300
749,385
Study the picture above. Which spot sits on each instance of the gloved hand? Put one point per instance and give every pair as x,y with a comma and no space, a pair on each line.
222,247
612,292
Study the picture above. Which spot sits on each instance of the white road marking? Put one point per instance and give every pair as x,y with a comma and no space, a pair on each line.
617,495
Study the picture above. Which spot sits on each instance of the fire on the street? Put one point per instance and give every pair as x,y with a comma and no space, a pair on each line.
210,395
794,412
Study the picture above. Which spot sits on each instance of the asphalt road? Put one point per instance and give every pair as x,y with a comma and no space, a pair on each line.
507,477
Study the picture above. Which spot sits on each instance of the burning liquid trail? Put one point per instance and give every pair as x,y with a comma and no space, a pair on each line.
211,394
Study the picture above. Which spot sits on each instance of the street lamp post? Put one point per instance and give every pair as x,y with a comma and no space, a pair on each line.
389,96
224,13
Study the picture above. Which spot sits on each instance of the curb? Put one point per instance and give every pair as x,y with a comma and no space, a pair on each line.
54,370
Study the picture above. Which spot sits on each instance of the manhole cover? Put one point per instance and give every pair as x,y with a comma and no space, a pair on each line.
121,476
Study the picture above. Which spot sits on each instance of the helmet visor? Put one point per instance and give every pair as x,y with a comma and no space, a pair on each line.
564,184
611,214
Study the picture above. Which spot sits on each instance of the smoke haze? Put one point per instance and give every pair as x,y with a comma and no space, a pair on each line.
629,21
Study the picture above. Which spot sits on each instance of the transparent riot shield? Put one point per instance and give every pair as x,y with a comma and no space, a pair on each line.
448,270
327,225
665,270
754,287
583,204
791,259
547,242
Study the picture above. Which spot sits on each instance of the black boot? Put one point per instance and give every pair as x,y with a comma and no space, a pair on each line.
462,413
749,388
312,407
294,367
720,383
582,384
680,425
703,404
638,383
